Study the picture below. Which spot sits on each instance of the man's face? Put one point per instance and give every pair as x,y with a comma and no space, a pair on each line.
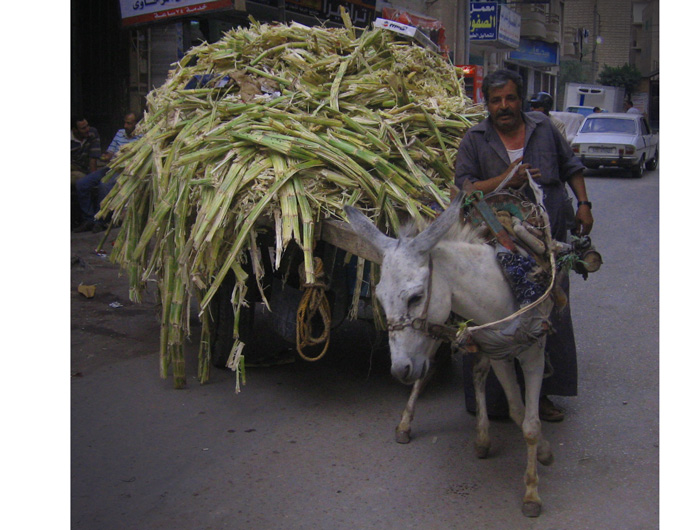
82,129
504,107
130,124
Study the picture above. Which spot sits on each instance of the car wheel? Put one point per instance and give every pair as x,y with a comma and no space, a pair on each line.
652,164
638,170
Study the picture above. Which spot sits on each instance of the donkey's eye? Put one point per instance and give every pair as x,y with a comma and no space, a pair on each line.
414,300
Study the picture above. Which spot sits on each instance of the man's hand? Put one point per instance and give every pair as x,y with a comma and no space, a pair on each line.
583,216
107,156
583,220
520,176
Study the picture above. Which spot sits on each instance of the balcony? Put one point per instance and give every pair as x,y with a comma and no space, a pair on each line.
568,47
533,22
553,29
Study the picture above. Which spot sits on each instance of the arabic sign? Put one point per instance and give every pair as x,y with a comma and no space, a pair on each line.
536,52
483,18
145,11
509,29
497,25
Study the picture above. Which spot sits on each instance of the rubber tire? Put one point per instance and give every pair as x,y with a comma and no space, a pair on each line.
652,164
638,170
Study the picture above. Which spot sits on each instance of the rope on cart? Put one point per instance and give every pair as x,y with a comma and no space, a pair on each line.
313,301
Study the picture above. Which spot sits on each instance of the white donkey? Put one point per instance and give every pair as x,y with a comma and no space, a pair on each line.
447,267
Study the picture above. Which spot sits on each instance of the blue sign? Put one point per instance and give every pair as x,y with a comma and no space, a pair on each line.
483,21
536,52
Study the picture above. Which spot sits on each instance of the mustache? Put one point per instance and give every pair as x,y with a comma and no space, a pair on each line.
505,113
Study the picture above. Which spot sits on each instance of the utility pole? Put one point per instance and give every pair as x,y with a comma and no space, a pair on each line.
462,33
596,28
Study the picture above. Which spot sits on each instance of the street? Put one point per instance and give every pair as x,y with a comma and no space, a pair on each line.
311,445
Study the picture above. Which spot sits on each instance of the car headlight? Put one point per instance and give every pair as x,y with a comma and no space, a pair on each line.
629,149
576,148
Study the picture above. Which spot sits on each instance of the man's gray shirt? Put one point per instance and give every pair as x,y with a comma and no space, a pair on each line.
482,156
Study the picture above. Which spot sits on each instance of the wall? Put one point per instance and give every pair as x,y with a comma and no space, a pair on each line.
99,65
613,24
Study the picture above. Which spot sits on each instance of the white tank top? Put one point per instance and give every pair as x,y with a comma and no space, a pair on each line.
514,154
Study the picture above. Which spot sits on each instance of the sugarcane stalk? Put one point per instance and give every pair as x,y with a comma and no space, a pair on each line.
209,166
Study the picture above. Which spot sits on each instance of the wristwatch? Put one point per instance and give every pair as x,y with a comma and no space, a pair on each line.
586,203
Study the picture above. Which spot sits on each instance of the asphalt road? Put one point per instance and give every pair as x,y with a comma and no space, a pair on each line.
311,445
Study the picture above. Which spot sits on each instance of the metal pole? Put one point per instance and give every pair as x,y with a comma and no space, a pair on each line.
595,36
462,37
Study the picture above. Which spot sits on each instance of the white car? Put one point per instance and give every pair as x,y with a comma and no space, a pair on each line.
617,140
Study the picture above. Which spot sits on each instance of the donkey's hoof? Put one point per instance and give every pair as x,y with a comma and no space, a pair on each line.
545,455
482,451
402,437
546,459
531,509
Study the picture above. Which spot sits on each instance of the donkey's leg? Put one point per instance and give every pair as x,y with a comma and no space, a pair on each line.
532,364
403,428
480,372
506,374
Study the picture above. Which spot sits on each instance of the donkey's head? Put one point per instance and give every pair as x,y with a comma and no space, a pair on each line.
408,289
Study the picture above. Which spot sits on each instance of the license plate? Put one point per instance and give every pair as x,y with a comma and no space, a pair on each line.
607,150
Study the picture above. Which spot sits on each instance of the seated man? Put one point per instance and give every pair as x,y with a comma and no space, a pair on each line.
85,152
85,148
91,184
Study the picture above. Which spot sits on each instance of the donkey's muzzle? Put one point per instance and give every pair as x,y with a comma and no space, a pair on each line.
409,371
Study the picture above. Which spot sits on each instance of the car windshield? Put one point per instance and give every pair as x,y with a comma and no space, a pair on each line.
608,125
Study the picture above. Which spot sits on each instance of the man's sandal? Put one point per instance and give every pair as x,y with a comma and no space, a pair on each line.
549,411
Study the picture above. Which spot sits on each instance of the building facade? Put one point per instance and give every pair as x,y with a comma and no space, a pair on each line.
602,30
119,57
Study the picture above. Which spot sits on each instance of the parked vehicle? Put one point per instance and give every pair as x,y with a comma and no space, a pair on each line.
617,140
582,111
582,97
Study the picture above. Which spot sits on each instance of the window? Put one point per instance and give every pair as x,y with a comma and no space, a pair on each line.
645,129
606,125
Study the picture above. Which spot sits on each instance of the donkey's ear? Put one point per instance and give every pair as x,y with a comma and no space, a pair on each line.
426,240
366,230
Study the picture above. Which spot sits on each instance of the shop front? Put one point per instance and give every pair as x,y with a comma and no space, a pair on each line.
538,63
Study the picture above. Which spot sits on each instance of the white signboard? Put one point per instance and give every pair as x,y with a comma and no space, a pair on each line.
509,29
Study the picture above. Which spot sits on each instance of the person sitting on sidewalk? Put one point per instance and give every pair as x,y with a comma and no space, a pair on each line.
90,186
85,148
85,153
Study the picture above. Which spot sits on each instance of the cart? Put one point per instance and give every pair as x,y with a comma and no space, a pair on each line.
337,247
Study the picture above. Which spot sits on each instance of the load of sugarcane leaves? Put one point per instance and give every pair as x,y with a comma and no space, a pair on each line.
283,123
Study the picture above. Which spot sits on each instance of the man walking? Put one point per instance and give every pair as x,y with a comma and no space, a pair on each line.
487,154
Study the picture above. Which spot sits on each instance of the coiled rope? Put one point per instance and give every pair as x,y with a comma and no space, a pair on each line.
313,301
